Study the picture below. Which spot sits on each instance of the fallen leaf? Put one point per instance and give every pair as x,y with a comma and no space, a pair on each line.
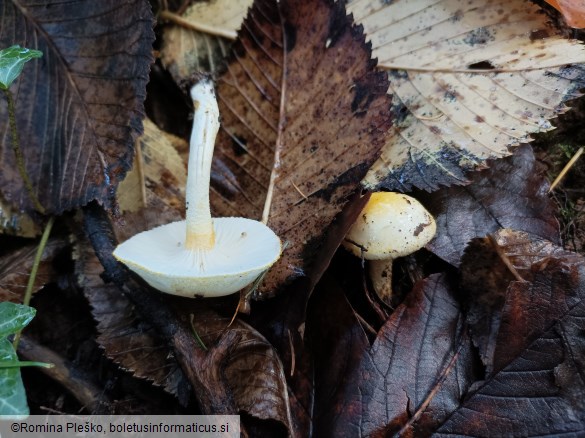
303,112
513,193
540,390
421,355
16,266
469,79
159,172
16,224
519,285
572,10
80,106
202,42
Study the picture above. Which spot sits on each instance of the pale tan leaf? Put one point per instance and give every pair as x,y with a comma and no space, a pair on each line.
469,79
16,224
202,42
159,172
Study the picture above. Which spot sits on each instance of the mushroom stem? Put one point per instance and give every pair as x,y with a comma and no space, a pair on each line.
381,276
200,234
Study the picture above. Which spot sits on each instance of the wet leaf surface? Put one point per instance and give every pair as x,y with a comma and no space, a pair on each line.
513,193
303,111
404,366
469,80
80,106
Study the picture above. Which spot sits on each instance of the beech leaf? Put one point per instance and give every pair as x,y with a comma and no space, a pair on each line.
80,106
537,385
303,112
512,193
405,364
469,79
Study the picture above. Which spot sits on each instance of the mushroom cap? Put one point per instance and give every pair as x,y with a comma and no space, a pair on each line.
243,249
391,225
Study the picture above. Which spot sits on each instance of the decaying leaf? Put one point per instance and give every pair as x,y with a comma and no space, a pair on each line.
572,10
16,266
421,354
518,286
79,107
469,79
513,193
128,341
16,224
160,172
538,385
303,111
203,41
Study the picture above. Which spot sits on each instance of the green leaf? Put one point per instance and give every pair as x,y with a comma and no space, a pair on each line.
12,393
14,317
12,62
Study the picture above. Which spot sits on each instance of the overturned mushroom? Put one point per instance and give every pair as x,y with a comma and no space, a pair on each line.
391,225
201,256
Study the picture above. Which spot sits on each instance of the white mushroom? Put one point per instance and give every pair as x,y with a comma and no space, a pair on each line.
201,256
391,225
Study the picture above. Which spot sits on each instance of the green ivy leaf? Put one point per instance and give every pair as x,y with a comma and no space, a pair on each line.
12,394
12,62
14,317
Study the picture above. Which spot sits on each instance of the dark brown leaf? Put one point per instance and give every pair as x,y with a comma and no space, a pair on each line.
511,194
80,106
303,112
422,343
518,286
540,391
16,266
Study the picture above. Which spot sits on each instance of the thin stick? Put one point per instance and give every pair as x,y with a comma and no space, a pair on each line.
35,268
200,27
18,153
140,169
567,167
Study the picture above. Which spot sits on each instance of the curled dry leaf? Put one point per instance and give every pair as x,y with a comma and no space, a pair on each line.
203,41
79,107
519,285
469,79
16,266
303,112
421,354
572,10
513,193
537,386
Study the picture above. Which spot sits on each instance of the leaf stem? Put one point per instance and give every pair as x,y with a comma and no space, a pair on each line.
24,363
18,152
33,273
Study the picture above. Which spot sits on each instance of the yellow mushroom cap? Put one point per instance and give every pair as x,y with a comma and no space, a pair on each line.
391,225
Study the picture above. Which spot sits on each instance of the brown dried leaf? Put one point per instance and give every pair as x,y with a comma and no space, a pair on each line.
469,79
302,113
513,193
15,268
80,106
540,350
159,172
16,224
186,50
519,286
405,366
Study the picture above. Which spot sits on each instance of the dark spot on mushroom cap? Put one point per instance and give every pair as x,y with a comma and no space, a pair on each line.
419,229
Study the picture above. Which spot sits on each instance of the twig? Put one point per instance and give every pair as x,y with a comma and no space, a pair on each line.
74,380
566,169
18,153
